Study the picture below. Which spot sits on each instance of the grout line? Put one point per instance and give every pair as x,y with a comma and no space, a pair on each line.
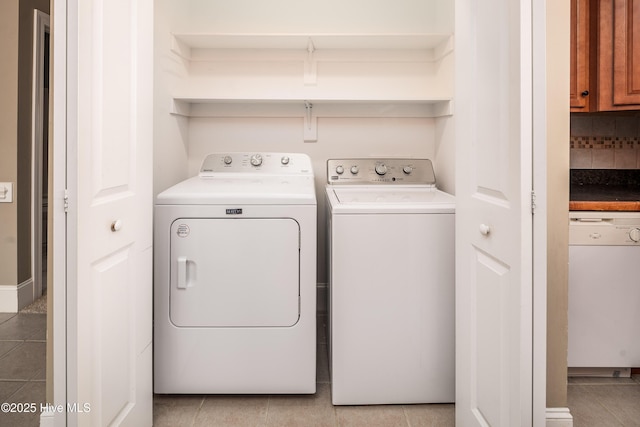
8,399
406,416
195,416
8,353
611,411
265,421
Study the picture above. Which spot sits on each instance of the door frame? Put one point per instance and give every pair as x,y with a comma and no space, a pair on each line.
539,208
40,28
58,205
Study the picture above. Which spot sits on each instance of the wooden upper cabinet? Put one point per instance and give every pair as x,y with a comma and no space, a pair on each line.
605,55
619,54
580,50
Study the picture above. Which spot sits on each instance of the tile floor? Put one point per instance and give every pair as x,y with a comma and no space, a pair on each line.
593,401
22,365
604,402
294,411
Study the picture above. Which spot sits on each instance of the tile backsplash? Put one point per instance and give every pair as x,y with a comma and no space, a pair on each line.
608,141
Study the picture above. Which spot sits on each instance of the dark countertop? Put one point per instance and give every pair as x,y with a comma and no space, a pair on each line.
604,190
598,197
604,193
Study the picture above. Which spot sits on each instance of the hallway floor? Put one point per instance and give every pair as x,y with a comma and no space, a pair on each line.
22,366
592,401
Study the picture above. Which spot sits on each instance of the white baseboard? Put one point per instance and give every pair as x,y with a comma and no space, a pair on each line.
25,293
600,372
14,298
47,419
559,417
8,299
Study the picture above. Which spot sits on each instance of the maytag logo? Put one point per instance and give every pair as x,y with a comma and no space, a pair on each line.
234,211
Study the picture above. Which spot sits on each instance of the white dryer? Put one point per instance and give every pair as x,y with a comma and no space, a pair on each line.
391,283
235,278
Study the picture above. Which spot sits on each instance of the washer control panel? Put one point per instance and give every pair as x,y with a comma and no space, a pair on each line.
380,171
262,163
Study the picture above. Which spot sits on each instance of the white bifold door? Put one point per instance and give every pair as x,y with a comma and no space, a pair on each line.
108,134
494,223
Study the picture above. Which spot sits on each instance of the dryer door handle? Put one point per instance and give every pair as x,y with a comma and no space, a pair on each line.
182,272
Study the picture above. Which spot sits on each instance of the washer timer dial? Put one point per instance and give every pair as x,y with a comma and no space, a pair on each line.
634,234
381,169
256,160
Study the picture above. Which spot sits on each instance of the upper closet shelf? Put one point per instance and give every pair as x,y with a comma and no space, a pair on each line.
437,44
201,107
308,110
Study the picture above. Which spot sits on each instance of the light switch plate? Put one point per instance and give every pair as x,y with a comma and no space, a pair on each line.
6,192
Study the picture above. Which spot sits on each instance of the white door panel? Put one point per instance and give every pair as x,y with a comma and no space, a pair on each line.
494,221
110,50
234,272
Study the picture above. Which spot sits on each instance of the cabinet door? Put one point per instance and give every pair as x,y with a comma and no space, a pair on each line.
579,87
619,50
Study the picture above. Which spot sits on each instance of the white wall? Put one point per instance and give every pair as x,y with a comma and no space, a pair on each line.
170,133
327,16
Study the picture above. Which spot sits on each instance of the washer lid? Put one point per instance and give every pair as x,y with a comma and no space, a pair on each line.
390,199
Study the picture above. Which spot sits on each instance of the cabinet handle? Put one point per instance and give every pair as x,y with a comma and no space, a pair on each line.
585,93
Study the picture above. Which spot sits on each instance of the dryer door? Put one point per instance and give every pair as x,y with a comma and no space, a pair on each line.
234,272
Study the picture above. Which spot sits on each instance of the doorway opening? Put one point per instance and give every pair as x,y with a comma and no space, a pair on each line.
40,152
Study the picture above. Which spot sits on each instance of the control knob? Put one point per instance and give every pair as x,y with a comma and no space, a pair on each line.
256,160
354,170
227,160
339,169
634,234
284,160
407,169
381,169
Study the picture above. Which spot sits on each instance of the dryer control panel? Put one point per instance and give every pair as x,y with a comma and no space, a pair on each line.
380,171
256,163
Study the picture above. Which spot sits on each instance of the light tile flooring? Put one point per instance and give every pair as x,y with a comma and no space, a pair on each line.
592,401
605,402
294,411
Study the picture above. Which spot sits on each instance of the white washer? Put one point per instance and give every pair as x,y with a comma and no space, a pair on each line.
235,278
391,283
